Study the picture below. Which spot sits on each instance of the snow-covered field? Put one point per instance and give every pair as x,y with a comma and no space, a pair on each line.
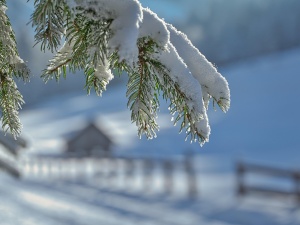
261,126
31,203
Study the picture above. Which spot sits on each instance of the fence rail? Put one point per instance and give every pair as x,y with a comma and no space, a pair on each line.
243,187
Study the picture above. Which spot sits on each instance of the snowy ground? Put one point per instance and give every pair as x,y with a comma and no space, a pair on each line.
66,203
262,126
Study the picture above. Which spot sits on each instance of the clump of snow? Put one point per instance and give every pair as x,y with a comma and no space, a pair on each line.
20,66
3,8
180,74
126,15
8,45
102,71
203,128
212,83
102,68
155,28
125,29
63,55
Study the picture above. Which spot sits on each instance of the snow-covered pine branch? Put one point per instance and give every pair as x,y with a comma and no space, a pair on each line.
11,66
213,83
121,35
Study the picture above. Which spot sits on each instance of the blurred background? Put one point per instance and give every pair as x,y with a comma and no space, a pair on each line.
80,161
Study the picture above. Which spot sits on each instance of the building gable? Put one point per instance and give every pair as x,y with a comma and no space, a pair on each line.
89,140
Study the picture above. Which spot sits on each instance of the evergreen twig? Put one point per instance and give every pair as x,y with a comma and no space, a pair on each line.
11,65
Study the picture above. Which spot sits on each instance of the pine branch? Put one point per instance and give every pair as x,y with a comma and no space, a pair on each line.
93,35
99,37
90,39
11,65
10,102
10,62
94,82
85,49
56,71
178,107
145,82
48,18
142,91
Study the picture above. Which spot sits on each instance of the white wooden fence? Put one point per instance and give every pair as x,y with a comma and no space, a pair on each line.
169,174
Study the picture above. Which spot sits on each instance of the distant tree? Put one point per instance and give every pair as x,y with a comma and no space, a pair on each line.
98,36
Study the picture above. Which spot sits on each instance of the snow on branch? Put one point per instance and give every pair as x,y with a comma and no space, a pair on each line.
155,28
126,16
184,92
172,72
213,83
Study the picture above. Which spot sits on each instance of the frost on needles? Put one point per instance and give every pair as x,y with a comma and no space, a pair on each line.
98,36
11,66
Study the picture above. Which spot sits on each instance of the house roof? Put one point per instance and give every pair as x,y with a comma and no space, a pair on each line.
85,131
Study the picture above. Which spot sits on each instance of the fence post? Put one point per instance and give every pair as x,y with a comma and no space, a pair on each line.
168,176
113,169
37,167
148,173
129,171
191,176
240,170
297,184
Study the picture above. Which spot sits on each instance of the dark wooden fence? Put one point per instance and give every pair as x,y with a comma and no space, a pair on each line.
244,186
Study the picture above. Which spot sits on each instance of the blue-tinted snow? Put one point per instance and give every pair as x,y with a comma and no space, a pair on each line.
261,126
